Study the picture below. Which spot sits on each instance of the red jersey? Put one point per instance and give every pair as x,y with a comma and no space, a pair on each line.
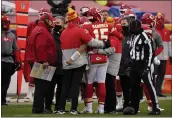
102,31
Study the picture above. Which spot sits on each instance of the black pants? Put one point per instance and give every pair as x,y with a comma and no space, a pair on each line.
160,76
41,90
56,80
136,76
125,82
6,70
71,81
110,101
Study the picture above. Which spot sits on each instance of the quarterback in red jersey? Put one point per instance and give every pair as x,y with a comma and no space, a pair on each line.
98,62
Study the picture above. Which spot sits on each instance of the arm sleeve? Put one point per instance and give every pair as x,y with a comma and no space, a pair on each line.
15,46
41,53
148,52
158,39
170,47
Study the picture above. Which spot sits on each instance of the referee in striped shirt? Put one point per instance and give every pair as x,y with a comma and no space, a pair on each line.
141,55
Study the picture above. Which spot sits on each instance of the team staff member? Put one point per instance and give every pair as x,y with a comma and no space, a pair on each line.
41,48
9,64
27,69
71,39
141,54
165,54
112,70
57,78
125,80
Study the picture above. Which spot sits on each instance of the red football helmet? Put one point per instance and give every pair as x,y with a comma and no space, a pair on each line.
5,22
84,20
95,14
159,20
129,13
84,11
148,19
48,19
123,8
42,11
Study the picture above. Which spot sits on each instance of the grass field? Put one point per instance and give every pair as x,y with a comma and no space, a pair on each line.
21,110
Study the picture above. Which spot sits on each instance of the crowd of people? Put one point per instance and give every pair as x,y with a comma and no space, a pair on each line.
92,52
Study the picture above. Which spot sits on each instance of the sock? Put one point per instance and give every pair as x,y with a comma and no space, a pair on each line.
101,92
118,88
89,105
147,95
101,106
119,100
89,92
30,91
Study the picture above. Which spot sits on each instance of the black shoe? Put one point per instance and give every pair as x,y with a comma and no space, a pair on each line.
129,111
48,111
110,112
74,112
160,95
154,112
4,104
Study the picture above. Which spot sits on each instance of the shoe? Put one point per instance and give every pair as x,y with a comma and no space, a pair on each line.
61,112
56,111
119,108
74,112
100,111
86,110
48,110
154,112
160,95
142,100
150,109
4,104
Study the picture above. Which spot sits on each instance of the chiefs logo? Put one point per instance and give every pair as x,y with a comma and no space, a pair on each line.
98,58
23,6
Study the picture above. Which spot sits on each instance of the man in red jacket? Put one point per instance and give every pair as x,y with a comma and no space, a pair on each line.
41,48
27,68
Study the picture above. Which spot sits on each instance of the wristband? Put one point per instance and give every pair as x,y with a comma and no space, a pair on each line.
75,56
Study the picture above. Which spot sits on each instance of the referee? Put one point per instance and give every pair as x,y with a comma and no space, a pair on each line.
141,55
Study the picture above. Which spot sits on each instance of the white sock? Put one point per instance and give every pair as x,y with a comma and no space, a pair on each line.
30,91
101,106
89,105
119,100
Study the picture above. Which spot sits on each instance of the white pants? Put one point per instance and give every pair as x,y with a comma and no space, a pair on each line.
97,72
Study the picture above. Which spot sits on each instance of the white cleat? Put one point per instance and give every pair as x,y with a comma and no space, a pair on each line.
150,109
86,110
100,111
119,108
28,99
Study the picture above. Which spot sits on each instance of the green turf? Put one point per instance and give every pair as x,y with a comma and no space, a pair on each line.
25,111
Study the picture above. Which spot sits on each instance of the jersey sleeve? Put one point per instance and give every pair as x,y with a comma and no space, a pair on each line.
85,36
114,32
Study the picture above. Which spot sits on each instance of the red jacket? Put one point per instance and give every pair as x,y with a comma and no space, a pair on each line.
41,46
27,68
71,39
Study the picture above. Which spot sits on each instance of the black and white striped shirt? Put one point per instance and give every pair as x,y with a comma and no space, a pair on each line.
141,48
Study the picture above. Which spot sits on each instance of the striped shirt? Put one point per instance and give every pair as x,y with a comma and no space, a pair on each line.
141,48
